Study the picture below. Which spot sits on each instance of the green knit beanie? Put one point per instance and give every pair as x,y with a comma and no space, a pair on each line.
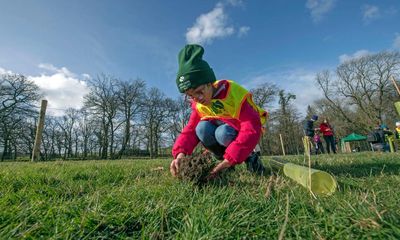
193,70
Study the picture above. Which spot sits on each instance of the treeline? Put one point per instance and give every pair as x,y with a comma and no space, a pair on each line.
358,96
119,118
126,118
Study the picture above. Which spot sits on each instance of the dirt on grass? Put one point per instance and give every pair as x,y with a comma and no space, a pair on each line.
196,168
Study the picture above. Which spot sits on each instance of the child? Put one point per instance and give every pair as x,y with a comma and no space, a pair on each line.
224,117
318,143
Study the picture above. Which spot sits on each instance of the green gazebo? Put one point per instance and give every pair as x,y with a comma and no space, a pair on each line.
354,137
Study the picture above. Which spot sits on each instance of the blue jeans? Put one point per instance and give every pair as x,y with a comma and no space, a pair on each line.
215,137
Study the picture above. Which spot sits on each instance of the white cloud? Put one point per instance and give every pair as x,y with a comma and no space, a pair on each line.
235,2
51,68
300,82
319,8
243,31
396,42
370,13
360,53
3,71
62,88
210,26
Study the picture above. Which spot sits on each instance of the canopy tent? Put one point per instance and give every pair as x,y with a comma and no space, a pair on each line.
354,137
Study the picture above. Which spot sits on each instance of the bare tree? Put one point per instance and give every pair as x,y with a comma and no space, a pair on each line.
180,116
264,94
67,124
156,113
17,96
102,101
16,93
51,129
288,122
362,86
130,99
9,132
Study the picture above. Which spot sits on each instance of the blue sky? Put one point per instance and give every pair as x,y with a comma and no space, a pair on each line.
59,44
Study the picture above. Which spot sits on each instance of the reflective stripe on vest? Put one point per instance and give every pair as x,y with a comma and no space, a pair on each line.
230,106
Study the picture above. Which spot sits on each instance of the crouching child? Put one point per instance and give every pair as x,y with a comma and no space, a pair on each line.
224,117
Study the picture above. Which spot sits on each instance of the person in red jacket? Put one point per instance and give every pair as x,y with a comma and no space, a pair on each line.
224,117
327,132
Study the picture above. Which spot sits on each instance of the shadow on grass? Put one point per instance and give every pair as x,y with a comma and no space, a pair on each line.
358,170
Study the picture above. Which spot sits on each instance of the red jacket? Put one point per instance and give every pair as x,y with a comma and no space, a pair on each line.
326,129
248,127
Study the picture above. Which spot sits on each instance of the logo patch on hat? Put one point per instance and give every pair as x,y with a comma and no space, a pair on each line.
181,79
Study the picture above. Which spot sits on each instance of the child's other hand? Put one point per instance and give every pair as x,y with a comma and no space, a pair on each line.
174,167
221,166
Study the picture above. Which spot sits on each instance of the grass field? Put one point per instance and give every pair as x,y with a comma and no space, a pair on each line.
133,199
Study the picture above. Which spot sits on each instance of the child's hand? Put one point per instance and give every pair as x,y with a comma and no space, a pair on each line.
221,166
174,167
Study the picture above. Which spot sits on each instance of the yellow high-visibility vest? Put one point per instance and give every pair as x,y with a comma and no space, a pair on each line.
230,106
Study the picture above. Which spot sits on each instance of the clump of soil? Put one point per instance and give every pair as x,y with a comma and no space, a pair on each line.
196,168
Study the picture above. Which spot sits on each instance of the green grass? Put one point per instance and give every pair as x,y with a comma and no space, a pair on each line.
129,199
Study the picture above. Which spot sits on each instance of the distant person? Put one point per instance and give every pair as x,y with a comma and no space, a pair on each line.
309,130
389,138
309,126
377,139
397,130
384,127
319,148
327,132
224,117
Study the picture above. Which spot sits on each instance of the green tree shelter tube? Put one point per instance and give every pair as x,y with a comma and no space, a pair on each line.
319,182
397,106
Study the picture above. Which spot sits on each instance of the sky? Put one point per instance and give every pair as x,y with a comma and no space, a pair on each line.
61,44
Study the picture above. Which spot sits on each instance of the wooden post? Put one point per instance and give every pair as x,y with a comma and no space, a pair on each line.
283,148
307,147
39,130
347,147
372,147
395,84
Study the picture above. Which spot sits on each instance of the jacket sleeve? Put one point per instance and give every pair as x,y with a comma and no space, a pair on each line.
187,140
322,128
248,135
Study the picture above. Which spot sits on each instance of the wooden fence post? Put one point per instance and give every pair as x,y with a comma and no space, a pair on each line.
39,130
395,84
283,148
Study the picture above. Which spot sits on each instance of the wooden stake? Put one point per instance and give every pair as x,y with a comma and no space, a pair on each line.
283,148
395,84
39,130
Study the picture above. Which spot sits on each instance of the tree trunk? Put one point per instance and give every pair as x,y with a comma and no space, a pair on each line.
5,147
